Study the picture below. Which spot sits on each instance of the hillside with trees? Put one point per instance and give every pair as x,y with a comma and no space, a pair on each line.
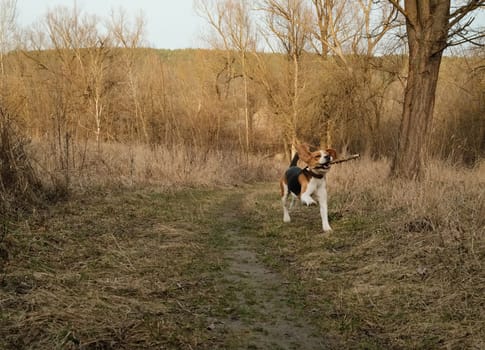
325,72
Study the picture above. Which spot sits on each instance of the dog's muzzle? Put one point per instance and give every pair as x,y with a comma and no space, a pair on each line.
326,165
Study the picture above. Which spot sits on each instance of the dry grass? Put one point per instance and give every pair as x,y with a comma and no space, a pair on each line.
20,188
110,271
141,165
135,268
447,191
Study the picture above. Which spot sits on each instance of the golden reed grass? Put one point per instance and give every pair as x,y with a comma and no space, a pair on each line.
450,196
139,165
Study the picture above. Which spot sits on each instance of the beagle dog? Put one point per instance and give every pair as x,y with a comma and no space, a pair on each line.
303,183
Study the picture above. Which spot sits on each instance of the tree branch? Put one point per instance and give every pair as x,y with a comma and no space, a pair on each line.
462,11
467,39
398,7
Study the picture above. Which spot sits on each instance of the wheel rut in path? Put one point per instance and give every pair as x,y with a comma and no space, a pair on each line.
263,314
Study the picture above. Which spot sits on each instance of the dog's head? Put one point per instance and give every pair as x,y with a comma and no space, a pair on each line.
318,161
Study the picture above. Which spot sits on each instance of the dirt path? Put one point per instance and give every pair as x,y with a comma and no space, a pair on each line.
264,314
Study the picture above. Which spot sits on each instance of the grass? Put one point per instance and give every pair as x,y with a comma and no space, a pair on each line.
122,165
107,272
147,267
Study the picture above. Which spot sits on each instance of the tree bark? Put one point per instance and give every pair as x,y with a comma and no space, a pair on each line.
427,29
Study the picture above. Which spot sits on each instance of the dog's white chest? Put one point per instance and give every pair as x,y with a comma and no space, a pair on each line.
316,185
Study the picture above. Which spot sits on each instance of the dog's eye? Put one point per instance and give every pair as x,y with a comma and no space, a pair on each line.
318,156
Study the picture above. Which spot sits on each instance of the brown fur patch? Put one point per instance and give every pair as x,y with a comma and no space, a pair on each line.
331,152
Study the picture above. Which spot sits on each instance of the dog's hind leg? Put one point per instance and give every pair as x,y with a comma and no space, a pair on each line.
284,198
292,201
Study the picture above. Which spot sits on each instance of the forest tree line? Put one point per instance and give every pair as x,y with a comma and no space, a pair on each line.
325,72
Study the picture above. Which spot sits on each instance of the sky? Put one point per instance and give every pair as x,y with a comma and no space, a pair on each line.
170,24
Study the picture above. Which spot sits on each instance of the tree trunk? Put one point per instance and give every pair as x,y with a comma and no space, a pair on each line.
427,34
247,118
326,140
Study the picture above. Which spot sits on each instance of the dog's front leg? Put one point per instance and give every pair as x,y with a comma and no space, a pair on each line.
307,199
322,199
307,190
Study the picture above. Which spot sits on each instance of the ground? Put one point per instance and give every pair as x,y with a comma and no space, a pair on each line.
209,269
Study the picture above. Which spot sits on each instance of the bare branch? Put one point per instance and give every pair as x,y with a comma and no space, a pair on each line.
8,15
125,33
398,7
464,10
468,39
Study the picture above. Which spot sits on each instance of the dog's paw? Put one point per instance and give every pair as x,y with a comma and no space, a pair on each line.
327,229
308,201
286,219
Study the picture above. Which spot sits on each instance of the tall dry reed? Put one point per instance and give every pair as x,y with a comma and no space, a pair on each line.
139,165
450,197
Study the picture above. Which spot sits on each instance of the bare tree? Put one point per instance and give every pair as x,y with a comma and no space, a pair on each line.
344,27
129,35
74,34
8,15
215,12
347,35
231,21
431,27
72,59
331,28
287,22
377,20
126,33
243,39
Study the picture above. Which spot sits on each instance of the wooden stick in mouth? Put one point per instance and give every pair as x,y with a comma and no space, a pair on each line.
353,156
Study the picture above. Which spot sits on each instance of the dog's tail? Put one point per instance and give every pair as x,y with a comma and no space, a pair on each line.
294,161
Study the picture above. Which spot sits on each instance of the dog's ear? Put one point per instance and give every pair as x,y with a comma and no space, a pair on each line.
332,153
304,153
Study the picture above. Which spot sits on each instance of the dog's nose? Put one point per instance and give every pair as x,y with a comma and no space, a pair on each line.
327,158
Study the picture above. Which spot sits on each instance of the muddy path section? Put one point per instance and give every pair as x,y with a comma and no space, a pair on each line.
261,312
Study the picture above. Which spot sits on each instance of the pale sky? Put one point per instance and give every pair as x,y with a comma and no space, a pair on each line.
170,24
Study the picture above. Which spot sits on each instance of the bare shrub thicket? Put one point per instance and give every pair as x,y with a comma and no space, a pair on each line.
20,186
460,124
